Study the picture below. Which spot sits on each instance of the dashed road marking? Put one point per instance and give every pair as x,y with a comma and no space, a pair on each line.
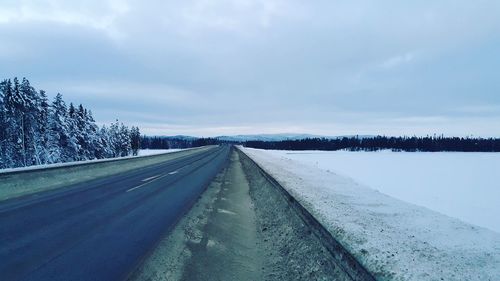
150,178
226,211
155,178
139,186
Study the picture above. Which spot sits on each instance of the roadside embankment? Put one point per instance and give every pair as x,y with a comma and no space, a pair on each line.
242,228
295,248
392,239
24,181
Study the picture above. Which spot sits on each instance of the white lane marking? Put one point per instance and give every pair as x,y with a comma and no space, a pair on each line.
139,186
224,211
134,188
157,177
153,177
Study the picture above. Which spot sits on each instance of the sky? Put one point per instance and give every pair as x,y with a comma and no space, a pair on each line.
207,68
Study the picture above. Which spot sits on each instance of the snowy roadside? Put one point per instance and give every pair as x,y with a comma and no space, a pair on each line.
393,239
463,185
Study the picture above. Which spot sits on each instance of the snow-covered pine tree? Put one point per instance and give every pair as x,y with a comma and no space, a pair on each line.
125,144
94,141
80,132
135,140
34,132
114,139
30,128
72,151
59,136
57,131
43,127
105,149
3,132
119,138
14,110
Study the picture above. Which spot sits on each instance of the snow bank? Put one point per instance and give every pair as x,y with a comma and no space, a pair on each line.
461,185
394,240
147,152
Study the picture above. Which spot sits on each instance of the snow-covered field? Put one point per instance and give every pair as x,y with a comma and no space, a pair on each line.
393,239
461,185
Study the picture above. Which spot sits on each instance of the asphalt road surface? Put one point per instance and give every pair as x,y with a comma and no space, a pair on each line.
101,229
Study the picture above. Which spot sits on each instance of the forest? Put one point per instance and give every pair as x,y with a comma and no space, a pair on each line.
409,144
36,131
164,142
352,143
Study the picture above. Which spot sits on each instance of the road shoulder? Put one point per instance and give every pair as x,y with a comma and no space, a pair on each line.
240,229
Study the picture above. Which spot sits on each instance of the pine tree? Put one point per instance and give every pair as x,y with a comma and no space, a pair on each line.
34,132
79,132
3,126
14,110
95,140
43,127
135,140
72,150
30,128
61,146
124,141
114,139
104,150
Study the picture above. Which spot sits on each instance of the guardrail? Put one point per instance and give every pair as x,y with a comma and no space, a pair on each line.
21,182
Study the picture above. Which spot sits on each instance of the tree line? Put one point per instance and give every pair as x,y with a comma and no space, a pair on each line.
354,143
410,144
35,131
162,142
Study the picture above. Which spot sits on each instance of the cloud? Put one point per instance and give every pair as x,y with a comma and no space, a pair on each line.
480,109
99,15
231,15
397,61
257,65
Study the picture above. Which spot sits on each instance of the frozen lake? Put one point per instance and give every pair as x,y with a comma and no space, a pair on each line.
460,185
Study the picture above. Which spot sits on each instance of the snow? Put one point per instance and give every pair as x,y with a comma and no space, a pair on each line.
147,152
393,239
461,185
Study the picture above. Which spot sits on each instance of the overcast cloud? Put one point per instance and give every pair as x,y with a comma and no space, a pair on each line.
203,67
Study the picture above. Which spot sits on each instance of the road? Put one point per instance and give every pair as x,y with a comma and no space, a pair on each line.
101,229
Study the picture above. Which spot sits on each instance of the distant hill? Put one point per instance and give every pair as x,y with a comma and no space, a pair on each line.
263,137
180,137
268,137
